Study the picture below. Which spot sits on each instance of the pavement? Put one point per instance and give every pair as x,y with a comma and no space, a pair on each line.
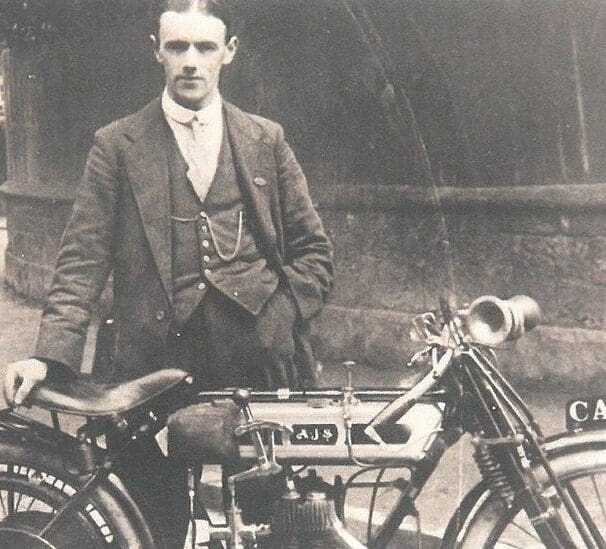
455,474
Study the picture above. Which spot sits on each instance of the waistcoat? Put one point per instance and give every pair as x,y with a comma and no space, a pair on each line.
212,242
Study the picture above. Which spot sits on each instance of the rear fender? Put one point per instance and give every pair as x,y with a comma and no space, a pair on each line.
562,443
30,430
26,437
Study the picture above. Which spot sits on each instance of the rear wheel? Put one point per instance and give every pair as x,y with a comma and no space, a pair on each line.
582,474
34,485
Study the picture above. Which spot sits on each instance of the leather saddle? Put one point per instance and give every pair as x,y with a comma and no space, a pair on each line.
82,397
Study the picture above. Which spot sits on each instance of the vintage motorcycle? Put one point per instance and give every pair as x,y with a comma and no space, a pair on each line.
58,490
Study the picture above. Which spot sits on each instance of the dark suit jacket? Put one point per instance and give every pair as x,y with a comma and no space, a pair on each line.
121,221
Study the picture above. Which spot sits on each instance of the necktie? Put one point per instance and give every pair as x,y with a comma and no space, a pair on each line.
203,163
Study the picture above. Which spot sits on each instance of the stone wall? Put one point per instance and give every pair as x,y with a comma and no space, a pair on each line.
546,242
32,246
502,101
390,266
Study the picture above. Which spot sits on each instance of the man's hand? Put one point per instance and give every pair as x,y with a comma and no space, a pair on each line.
21,377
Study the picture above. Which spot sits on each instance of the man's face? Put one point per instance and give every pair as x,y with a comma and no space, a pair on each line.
191,47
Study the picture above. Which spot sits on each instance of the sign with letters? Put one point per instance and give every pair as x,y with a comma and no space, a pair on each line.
314,433
586,413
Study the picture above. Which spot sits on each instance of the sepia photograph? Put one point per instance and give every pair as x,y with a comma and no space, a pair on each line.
302,274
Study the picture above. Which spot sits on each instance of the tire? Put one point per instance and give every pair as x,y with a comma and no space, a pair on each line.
491,524
34,484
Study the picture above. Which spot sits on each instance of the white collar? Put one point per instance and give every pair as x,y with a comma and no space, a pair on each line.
206,115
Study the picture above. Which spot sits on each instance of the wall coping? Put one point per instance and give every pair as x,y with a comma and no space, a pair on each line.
569,197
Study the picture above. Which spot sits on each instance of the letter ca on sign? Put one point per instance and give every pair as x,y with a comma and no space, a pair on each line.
586,413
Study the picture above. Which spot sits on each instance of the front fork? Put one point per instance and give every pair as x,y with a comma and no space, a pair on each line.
502,447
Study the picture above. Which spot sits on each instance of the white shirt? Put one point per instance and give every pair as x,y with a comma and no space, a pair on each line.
204,155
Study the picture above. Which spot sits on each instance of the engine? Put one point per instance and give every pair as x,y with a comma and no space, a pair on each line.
305,517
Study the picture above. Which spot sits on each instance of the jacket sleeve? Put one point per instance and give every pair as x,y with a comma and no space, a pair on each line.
308,261
84,261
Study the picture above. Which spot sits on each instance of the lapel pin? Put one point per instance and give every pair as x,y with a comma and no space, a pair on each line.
260,181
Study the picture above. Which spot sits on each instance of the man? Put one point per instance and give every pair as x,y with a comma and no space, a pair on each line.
202,213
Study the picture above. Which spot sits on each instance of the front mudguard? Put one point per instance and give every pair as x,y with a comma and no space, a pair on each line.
22,438
562,443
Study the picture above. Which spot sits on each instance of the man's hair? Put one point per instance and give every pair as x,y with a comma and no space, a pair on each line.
221,9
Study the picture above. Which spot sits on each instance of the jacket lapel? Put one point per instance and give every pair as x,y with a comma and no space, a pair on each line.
255,164
147,169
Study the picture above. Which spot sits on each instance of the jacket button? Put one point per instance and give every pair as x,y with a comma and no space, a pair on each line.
160,314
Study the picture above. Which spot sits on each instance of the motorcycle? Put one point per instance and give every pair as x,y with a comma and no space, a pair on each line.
59,490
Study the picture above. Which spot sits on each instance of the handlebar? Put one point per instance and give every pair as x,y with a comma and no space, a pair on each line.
396,409
489,321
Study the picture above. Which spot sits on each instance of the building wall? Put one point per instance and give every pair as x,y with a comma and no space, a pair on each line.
505,97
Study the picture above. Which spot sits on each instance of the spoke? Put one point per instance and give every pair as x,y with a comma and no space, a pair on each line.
585,516
18,502
599,496
527,532
10,502
10,496
31,503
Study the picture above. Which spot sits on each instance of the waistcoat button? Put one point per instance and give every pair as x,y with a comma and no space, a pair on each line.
160,314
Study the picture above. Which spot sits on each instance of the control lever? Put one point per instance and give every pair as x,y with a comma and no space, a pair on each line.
266,464
349,366
238,534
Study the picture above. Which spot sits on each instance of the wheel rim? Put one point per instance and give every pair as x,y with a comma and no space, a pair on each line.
514,529
28,500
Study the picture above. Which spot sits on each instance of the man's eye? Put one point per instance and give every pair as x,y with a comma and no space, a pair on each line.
206,47
178,47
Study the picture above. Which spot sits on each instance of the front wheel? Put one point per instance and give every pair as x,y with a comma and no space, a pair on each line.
490,523
34,485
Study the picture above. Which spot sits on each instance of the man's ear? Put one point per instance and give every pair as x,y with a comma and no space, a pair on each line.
156,46
232,46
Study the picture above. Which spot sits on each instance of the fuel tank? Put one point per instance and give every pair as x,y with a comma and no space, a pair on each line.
319,434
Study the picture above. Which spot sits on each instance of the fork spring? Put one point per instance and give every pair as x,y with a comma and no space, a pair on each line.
492,471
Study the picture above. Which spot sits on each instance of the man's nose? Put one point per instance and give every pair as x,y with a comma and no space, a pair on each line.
190,59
